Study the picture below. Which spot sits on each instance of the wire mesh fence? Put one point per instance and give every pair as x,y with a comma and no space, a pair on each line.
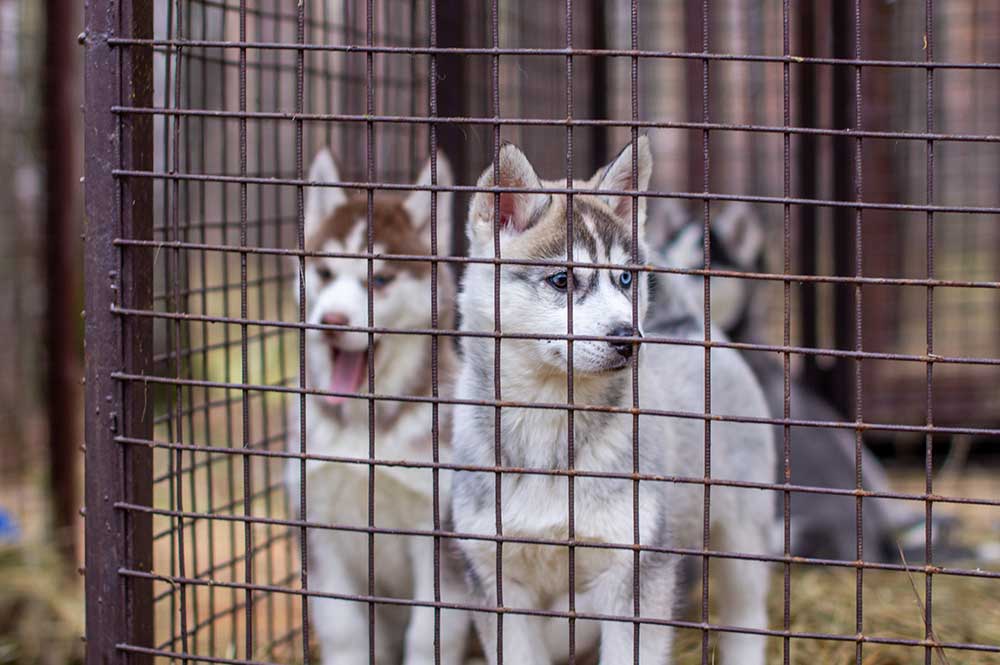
279,365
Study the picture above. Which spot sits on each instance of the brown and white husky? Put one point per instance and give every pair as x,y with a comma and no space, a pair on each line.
339,424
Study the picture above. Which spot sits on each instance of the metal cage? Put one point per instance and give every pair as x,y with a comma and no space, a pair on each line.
874,160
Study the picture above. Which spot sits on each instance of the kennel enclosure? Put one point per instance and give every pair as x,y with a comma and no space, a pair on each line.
201,119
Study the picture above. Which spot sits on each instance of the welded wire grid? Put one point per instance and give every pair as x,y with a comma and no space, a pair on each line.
245,92
208,479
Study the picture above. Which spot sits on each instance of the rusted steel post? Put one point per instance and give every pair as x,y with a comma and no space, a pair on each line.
807,157
600,88
119,609
694,25
60,256
453,24
839,387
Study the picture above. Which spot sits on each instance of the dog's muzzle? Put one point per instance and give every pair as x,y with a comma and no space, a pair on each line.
624,349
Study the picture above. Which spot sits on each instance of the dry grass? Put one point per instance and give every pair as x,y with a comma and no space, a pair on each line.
41,612
965,610
823,600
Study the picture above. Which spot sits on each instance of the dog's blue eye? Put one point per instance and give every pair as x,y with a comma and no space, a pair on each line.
558,280
380,280
625,279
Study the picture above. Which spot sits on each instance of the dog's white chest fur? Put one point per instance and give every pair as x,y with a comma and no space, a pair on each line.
338,491
537,508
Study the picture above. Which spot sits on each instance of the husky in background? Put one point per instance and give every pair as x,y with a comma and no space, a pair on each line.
822,525
533,298
337,361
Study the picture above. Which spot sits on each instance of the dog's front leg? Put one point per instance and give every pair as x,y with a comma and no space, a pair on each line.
453,624
341,626
615,597
744,585
523,637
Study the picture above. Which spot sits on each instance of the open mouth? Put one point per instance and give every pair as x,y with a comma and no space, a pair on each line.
348,371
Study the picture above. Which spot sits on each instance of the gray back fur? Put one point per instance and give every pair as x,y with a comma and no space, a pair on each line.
822,525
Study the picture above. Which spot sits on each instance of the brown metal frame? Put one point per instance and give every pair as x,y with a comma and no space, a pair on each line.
119,608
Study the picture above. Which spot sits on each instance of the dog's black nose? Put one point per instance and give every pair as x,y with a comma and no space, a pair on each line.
623,348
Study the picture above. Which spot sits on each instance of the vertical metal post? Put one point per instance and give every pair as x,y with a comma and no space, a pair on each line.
806,158
62,392
694,19
839,386
881,229
119,610
883,232
600,80
453,18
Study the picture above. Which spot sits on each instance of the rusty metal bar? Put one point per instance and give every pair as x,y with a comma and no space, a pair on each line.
694,78
300,60
502,403
929,438
806,161
838,386
651,339
700,196
496,51
781,277
459,119
261,452
451,28
591,616
552,542
600,84
118,610
786,246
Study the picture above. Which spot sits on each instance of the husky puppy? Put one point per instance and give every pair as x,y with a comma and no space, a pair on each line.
533,299
822,525
336,294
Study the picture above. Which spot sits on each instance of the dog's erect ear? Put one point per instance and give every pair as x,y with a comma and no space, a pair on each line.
618,176
322,201
418,203
518,210
741,232
667,218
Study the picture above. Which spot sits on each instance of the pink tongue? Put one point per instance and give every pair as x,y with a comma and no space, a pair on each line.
348,369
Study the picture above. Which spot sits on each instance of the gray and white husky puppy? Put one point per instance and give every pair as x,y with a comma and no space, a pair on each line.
337,493
822,525
533,299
